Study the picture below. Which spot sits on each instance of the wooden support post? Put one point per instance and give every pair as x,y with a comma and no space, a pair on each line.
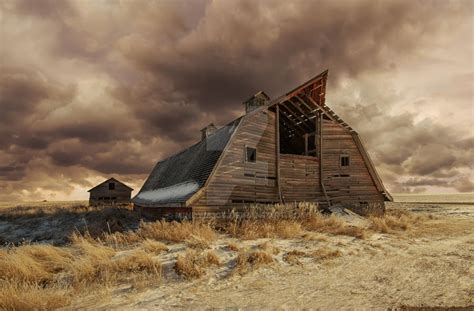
316,132
321,177
277,134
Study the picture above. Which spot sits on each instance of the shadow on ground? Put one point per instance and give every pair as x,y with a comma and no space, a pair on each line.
55,225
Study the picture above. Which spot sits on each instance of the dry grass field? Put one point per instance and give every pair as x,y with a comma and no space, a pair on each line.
416,257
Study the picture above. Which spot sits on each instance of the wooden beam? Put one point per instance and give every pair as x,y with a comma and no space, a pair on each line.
303,130
301,110
325,113
293,113
317,108
277,134
321,177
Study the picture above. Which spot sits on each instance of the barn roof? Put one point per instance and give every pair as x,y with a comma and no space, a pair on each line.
177,178
108,180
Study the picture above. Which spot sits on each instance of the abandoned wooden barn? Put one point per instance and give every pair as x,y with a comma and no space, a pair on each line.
290,149
110,192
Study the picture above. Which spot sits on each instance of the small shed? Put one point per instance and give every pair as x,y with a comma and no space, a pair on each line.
110,192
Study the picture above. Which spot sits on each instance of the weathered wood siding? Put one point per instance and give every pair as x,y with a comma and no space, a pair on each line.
300,178
102,195
348,185
236,181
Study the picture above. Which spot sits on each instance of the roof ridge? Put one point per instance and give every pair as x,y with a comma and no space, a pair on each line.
100,184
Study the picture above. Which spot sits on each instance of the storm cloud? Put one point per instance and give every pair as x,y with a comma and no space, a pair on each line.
91,89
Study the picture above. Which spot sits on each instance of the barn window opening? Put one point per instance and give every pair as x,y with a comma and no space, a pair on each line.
345,160
298,130
250,154
111,186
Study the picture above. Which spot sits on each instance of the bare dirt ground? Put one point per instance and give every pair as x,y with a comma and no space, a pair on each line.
422,267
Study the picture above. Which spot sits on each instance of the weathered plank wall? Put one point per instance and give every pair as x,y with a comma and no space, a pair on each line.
348,185
300,178
236,181
102,194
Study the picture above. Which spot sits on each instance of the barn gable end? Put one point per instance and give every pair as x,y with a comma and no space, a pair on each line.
110,191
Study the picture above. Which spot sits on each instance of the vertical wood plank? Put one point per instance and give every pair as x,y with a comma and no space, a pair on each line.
321,158
277,156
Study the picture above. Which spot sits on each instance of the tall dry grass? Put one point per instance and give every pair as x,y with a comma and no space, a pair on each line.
285,221
396,221
193,264
250,260
29,272
177,231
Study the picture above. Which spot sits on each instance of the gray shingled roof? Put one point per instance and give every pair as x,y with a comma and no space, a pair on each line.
177,178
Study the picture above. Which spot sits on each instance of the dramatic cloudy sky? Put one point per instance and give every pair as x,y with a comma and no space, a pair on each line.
97,88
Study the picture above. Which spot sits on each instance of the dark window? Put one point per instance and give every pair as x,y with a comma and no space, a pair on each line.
345,160
111,186
250,154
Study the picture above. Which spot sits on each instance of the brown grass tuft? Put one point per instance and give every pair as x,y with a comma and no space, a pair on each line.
396,220
137,262
24,296
197,242
325,253
247,261
293,256
120,240
177,231
332,225
286,221
233,247
266,246
212,258
152,246
192,264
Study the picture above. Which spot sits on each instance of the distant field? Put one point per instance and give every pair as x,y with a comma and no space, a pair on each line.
43,204
435,198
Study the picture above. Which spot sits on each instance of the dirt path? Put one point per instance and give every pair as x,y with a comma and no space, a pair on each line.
427,266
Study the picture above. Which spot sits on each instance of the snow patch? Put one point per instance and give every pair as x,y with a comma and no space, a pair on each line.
168,193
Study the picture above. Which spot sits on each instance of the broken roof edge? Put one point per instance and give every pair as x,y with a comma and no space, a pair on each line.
111,178
289,94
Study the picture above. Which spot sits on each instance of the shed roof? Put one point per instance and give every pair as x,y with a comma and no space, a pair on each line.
177,178
108,180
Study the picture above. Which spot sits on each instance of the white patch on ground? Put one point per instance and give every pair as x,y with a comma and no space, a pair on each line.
169,193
